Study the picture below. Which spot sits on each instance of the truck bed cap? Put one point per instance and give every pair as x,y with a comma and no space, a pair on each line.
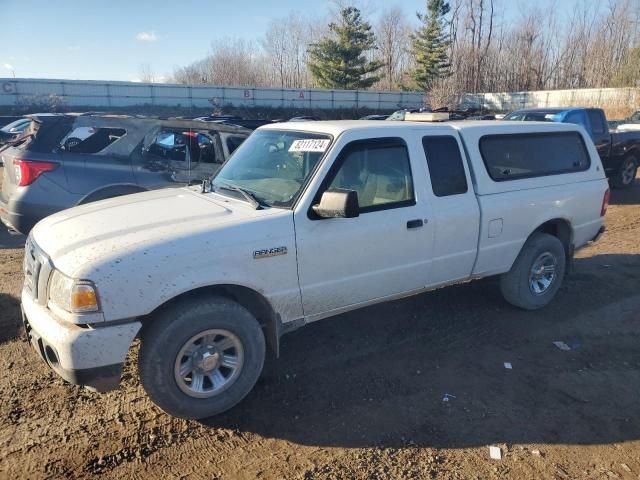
336,127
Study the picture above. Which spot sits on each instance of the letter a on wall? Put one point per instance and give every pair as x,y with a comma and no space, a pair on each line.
301,96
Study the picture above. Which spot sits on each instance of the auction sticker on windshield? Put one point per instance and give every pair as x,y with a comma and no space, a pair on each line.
309,145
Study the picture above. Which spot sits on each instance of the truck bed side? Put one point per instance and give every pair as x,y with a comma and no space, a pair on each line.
507,220
512,210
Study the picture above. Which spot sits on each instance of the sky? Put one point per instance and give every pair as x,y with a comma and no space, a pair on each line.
111,40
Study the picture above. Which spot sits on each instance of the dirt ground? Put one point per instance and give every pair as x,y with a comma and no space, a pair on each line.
360,396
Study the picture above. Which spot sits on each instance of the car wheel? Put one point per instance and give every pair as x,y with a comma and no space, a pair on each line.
626,174
537,273
200,357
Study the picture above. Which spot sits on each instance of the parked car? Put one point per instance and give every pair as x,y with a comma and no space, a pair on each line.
399,115
251,124
72,160
374,117
7,119
619,150
305,118
13,130
299,225
482,117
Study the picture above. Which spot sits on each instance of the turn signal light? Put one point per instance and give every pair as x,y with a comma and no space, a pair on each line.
84,299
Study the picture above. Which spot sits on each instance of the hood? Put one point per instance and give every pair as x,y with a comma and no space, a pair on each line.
107,230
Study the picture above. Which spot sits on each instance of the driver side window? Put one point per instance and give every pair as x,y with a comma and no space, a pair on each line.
379,171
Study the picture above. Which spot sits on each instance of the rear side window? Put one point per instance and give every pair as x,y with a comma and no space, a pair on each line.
445,165
596,121
575,117
514,156
91,139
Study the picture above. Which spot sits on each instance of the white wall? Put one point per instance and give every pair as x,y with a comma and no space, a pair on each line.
612,98
105,94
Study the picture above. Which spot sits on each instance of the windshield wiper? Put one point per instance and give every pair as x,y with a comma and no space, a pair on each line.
248,195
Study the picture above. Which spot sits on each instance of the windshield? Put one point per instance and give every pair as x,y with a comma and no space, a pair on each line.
273,165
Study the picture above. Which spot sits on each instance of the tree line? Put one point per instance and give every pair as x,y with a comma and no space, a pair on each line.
452,47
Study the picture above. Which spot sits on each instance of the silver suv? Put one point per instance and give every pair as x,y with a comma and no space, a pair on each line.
67,160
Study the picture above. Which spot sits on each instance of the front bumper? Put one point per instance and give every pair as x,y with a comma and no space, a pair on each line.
83,355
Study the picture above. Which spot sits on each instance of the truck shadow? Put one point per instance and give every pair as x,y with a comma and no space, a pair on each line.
10,241
380,376
627,196
10,317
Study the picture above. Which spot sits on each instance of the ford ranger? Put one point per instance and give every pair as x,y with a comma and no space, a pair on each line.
305,221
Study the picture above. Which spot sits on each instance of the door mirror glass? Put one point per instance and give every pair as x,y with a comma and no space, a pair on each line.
338,203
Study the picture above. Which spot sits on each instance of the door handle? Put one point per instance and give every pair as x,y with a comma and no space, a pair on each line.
417,223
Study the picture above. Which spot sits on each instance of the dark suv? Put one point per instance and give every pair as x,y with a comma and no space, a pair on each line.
67,160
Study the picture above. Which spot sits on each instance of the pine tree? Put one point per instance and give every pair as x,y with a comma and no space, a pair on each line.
339,61
430,45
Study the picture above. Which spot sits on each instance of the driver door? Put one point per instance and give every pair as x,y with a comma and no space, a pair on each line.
385,251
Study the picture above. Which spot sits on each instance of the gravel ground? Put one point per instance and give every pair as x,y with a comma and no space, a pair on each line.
361,395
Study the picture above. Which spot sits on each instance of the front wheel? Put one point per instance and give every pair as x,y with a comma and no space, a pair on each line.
626,174
201,357
537,273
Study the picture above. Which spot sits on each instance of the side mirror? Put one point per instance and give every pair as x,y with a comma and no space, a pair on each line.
338,203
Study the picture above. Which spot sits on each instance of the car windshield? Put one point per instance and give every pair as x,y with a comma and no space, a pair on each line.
273,165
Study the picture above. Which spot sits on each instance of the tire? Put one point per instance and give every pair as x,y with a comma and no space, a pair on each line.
626,174
521,286
165,338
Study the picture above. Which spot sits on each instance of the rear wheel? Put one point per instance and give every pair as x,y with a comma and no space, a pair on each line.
537,273
626,174
201,357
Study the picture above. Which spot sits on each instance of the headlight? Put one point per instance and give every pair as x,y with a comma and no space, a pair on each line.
72,295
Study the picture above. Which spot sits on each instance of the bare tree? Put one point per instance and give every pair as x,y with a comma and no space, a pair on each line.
286,45
231,62
594,44
392,34
146,73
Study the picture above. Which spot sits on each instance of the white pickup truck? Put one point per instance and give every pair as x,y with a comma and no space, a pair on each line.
304,222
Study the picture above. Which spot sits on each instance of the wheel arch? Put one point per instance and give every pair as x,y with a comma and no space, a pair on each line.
256,303
110,191
562,230
632,152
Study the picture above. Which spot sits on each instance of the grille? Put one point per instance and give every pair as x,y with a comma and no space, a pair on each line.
37,269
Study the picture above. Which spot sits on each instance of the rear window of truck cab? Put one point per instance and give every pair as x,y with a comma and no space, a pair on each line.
525,155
